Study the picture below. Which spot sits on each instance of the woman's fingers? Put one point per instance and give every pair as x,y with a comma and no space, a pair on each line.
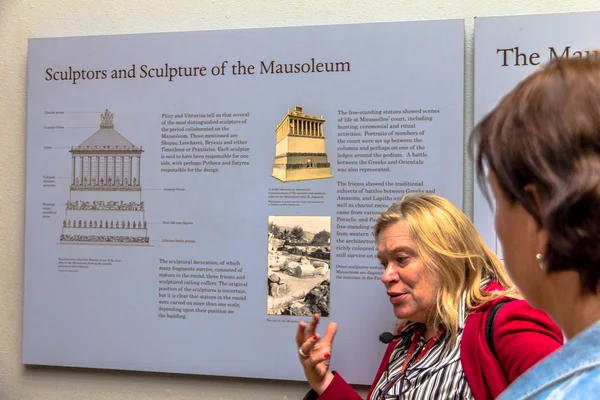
302,333
314,352
321,356
312,328
330,334
318,351
308,341
306,348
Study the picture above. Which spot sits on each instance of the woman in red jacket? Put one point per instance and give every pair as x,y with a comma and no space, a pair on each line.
446,287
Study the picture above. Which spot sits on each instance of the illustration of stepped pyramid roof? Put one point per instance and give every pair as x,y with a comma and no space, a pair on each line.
107,138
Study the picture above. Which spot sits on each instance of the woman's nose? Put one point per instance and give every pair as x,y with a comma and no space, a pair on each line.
389,274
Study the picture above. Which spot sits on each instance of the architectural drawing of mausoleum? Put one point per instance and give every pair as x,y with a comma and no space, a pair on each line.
105,198
300,152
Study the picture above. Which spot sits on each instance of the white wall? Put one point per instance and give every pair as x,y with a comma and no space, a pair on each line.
20,19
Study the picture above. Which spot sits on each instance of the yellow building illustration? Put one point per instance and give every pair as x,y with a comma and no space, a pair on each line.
300,152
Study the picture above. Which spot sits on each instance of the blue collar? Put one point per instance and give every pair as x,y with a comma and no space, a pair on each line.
577,355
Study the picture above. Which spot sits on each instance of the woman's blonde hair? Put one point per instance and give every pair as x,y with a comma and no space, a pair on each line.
450,246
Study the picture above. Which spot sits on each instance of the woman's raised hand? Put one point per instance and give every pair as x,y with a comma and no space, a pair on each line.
315,353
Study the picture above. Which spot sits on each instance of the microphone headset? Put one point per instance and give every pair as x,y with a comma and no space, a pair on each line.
387,337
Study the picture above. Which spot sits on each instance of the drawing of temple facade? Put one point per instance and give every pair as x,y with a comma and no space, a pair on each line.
300,152
105,198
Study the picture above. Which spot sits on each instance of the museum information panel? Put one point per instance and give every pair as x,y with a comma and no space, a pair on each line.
507,49
192,196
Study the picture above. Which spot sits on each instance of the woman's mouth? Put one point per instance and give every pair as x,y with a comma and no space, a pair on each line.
396,297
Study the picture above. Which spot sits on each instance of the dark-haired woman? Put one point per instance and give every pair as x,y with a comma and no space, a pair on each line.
541,146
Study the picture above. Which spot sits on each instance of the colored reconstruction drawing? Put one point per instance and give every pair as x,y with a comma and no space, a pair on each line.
105,204
300,152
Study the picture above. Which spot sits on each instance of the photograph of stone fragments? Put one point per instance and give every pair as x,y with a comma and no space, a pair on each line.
300,152
298,273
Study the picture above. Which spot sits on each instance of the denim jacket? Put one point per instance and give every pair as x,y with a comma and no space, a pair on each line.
573,372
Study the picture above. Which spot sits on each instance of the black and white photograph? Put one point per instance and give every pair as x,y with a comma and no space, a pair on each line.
298,271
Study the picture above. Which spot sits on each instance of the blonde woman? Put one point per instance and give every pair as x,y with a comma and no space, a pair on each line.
445,286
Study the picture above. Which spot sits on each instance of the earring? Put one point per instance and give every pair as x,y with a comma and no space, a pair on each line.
540,261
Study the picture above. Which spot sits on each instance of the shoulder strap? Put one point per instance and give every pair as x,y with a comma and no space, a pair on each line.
311,395
489,326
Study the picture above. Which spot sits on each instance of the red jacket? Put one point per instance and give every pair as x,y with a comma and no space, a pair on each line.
523,335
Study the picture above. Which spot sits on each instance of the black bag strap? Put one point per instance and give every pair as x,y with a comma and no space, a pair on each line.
489,326
311,395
